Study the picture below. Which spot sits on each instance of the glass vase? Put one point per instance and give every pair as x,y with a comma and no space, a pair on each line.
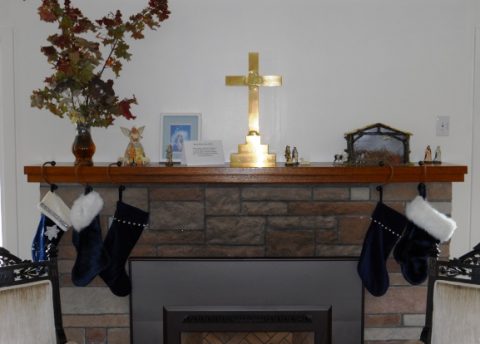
83,146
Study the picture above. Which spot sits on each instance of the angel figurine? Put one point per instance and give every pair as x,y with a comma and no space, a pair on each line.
134,154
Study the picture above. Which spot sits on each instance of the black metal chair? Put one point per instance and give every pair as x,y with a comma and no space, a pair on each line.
453,301
22,283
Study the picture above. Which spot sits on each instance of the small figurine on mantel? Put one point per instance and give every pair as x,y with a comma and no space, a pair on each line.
338,159
288,156
438,156
134,154
291,157
169,151
295,156
428,155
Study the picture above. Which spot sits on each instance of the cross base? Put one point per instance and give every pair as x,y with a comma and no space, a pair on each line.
253,154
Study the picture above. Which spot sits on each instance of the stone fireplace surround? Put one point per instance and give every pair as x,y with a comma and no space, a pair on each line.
203,220
321,210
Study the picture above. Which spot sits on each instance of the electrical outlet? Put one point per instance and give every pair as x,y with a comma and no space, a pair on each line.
443,125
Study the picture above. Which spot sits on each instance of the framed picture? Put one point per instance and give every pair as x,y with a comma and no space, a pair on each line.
175,129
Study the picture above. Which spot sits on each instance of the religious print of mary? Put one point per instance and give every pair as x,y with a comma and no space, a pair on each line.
178,135
176,129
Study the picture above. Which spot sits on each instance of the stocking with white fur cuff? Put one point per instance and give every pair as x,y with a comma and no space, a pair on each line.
87,239
426,228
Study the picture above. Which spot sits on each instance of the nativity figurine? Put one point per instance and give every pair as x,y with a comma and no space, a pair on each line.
291,157
428,155
169,152
295,156
438,156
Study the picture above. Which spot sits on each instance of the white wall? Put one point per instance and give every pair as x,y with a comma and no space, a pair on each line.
2,145
475,234
8,173
345,64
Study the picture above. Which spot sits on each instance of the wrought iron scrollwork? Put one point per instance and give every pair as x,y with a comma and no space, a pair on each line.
30,273
16,271
454,271
474,259
465,268
6,258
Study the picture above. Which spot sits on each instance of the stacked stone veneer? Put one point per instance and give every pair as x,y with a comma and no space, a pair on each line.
248,221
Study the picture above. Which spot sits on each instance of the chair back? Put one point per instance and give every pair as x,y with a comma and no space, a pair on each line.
29,301
453,301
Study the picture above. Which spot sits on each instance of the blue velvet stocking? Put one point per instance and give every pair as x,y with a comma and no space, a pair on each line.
124,232
412,252
91,256
385,230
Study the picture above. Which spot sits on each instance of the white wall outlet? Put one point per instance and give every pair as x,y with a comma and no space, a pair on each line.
443,125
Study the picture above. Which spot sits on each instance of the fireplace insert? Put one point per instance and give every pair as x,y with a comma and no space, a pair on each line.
225,325
298,286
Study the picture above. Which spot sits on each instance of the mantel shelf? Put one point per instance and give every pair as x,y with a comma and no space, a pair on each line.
316,173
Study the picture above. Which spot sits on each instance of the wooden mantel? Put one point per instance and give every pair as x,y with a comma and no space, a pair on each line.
316,173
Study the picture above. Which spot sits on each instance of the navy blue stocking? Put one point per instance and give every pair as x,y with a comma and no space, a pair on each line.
412,252
124,232
385,230
91,256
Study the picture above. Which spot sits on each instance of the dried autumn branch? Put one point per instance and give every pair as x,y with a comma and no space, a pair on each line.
77,87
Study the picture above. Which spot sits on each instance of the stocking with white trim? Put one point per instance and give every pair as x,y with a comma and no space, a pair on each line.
124,232
385,230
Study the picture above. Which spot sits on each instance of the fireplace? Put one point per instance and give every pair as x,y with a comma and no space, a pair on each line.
225,325
305,300
319,210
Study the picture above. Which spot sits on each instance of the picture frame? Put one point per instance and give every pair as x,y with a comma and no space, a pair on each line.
175,129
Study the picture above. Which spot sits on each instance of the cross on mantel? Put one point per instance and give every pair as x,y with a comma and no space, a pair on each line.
253,80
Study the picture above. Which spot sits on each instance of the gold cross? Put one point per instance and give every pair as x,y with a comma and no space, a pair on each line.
253,80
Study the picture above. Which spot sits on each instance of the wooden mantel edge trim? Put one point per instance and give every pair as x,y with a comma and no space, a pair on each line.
313,174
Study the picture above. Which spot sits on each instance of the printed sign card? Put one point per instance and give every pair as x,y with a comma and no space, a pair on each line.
198,153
